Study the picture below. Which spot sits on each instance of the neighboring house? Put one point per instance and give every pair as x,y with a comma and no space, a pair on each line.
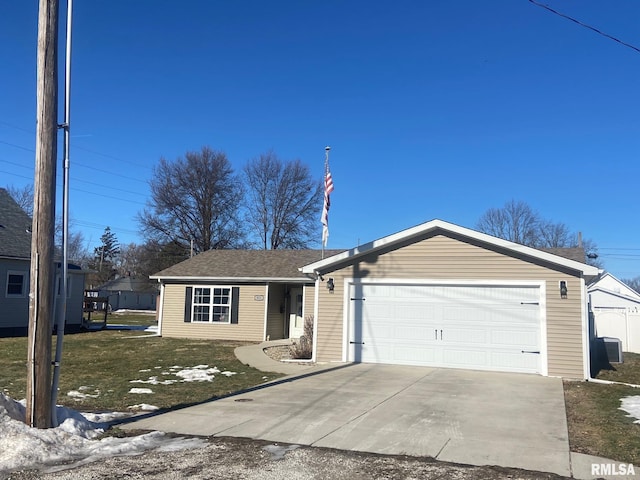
616,310
15,261
130,293
436,295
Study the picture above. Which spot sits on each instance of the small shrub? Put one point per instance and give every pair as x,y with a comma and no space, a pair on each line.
302,349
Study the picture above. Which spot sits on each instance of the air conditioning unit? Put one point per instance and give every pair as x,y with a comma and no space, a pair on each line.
612,349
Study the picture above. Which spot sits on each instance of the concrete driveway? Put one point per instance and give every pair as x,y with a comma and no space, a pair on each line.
462,416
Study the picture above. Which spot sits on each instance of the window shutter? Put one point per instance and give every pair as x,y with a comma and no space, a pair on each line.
235,300
187,304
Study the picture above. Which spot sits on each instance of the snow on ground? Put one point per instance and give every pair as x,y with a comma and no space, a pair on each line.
75,440
631,405
199,373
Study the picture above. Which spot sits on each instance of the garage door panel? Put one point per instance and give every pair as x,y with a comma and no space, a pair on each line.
526,340
464,357
484,327
516,362
466,335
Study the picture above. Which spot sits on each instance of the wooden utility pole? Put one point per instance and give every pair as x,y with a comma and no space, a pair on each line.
38,411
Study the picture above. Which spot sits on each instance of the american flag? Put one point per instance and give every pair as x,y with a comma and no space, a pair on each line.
328,188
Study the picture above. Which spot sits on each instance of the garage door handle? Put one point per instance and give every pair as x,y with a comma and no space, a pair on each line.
356,343
529,303
531,351
363,299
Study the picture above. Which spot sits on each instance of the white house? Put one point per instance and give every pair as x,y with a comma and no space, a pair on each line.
616,309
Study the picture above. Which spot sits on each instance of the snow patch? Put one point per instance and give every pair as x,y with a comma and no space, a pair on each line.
631,405
75,440
141,390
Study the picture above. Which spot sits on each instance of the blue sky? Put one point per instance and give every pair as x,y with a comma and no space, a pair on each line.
433,109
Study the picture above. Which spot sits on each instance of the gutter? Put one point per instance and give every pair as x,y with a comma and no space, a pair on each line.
232,279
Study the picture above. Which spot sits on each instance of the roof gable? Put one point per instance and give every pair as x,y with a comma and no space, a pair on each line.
244,265
610,284
15,228
418,232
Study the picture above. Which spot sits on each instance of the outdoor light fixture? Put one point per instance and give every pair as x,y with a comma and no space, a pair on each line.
330,284
563,289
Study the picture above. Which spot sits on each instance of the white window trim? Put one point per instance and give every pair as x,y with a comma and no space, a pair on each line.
211,305
23,274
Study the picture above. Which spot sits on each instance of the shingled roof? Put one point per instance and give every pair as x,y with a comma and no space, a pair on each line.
15,228
574,253
247,265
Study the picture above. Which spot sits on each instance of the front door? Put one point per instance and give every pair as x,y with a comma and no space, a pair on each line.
296,319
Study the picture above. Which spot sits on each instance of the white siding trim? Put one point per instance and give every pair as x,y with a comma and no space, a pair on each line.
160,309
346,312
435,225
266,311
586,350
544,348
316,303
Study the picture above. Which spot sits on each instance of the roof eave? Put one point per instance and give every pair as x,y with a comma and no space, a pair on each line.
432,225
191,278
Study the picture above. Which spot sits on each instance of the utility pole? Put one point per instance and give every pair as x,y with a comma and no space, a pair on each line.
38,411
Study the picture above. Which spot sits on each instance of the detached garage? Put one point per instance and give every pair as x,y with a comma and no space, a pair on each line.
446,296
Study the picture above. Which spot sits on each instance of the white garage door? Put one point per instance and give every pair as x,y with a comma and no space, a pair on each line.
479,326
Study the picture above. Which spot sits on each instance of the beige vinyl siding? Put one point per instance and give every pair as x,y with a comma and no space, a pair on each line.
309,293
444,258
275,314
250,326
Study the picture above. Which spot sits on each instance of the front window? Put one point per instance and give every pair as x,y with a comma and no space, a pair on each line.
212,304
16,284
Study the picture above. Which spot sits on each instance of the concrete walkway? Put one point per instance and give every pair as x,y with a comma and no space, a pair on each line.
460,416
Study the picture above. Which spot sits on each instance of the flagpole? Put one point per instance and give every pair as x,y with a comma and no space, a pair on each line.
324,182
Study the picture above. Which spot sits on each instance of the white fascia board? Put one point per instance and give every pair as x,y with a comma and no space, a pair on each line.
450,227
182,278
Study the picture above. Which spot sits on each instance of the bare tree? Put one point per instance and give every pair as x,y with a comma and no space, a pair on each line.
23,197
196,198
76,247
282,202
519,223
591,251
554,235
633,283
516,221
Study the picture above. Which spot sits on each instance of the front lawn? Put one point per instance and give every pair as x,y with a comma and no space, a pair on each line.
100,369
597,426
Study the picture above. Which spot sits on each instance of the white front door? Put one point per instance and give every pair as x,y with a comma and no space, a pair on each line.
466,326
296,318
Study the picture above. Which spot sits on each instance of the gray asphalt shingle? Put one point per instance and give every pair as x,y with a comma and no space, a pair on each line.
15,228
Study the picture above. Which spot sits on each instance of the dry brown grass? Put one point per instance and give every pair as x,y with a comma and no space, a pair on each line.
104,363
597,426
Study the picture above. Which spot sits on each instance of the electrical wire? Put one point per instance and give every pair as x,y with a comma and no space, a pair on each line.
599,32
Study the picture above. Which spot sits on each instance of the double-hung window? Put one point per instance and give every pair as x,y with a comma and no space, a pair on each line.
16,284
211,304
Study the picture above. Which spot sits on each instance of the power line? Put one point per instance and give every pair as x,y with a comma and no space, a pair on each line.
75,179
80,164
79,147
599,32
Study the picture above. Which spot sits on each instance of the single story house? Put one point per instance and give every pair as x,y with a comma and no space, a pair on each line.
616,311
15,264
130,293
436,294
